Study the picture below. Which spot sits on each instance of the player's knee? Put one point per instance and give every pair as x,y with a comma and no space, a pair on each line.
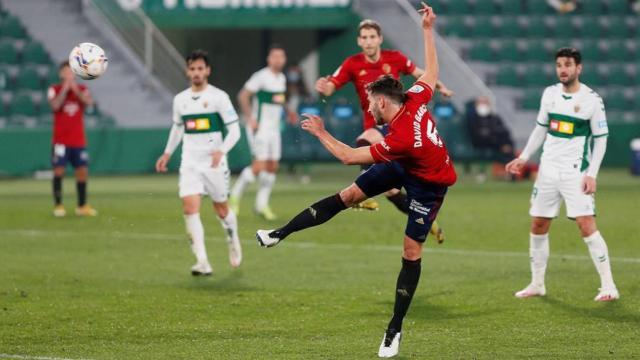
272,167
412,249
540,226
587,225
392,192
221,209
352,195
58,171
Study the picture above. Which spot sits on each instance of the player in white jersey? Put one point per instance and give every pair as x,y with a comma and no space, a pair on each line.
205,121
571,117
263,103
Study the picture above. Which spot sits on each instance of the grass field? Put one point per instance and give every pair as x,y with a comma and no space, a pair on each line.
118,286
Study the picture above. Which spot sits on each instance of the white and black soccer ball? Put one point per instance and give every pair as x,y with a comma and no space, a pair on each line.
88,61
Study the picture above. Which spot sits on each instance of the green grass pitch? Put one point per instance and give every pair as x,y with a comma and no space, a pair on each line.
118,286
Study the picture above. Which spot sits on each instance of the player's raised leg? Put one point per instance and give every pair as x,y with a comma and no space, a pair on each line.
600,256
538,256
193,223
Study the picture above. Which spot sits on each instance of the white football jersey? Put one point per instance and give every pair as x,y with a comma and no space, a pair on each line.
572,121
268,103
205,116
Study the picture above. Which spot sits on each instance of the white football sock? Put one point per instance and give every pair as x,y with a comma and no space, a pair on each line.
196,231
600,256
230,225
266,181
246,177
539,255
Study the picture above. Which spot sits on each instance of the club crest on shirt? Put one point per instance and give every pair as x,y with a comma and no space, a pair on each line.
362,72
205,104
386,68
576,108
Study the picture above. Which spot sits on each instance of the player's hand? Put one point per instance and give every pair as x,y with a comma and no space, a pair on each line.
313,124
515,166
588,185
216,157
322,85
428,16
292,116
161,164
446,92
252,122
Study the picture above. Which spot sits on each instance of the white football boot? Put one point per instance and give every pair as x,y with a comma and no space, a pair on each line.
201,269
265,240
390,345
235,252
531,290
607,294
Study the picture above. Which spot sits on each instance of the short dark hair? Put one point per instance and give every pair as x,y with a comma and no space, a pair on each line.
369,24
570,53
389,87
275,46
198,54
63,65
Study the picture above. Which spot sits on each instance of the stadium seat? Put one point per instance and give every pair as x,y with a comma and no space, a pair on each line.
561,27
459,7
53,77
536,51
28,79
538,7
531,99
456,26
12,28
590,28
34,53
483,27
617,27
618,51
592,52
509,27
509,51
486,7
591,7
618,7
618,75
536,27
23,104
482,51
8,53
616,100
593,78
507,76
535,75
510,7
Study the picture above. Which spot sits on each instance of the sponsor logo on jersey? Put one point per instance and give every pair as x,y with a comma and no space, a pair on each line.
385,146
602,124
563,127
416,89
420,221
198,124
419,208
278,98
386,68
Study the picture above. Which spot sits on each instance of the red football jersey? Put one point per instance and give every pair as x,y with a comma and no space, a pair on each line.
356,68
413,140
68,121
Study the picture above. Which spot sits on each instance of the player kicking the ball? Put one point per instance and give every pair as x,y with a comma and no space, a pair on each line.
571,115
412,156
202,115
362,69
267,87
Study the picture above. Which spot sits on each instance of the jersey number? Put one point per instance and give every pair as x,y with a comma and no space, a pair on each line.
432,133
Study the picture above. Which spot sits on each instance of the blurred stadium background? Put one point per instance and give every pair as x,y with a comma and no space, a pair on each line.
499,48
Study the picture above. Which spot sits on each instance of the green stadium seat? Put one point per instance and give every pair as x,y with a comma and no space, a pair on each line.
12,28
456,26
28,79
618,51
592,52
618,75
538,7
536,51
591,7
593,78
591,28
3,110
24,105
535,75
439,6
618,7
511,7
8,53
509,51
617,28
536,28
483,27
562,28
486,7
459,7
531,99
507,76
616,100
510,27
482,51
34,53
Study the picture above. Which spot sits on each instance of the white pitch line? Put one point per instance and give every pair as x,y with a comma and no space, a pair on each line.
27,357
307,245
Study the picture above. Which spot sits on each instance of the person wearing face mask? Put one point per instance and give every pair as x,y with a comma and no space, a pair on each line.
487,131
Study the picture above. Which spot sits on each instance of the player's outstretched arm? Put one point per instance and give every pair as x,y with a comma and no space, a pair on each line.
432,69
325,87
345,153
440,86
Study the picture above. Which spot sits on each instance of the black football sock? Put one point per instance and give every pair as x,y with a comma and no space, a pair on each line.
57,190
316,214
405,287
81,187
400,201
362,143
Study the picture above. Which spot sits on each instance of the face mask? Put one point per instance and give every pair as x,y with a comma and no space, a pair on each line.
483,110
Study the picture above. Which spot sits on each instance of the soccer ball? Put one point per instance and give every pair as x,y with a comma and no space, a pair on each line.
88,61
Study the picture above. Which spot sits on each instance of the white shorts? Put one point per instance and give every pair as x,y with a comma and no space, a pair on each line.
265,145
203,179
552,186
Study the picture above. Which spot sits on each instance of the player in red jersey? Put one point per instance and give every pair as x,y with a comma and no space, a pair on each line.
362,69
68,100
412,156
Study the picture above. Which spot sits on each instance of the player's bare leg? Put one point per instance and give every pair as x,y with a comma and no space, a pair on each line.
247,176
600,256
58,208
405,288
229,223
538,255
195,230
82,176
266,180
